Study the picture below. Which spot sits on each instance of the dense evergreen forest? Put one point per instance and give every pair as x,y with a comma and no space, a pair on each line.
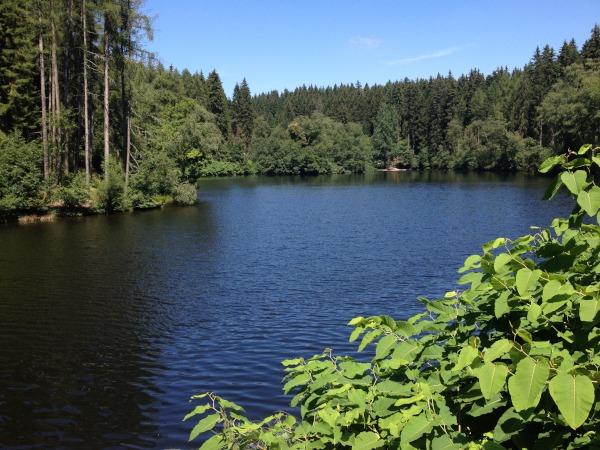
89,120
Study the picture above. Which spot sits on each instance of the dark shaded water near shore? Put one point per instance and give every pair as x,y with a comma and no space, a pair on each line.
109,324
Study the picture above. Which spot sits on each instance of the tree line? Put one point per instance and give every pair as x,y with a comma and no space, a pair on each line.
89,118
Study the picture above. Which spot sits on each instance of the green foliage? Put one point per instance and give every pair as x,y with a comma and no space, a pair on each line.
72,193
20,173
243,112
311,146
217,103
510,362
157,176
217,168
18,68
110,195
386,136
185,194
505,121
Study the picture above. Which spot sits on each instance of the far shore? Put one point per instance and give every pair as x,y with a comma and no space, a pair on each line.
393,169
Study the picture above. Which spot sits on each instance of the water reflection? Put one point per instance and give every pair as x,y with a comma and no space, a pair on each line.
82,324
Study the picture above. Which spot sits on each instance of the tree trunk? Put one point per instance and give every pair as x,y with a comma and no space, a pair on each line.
54,91
128,151
86,119
106,122
69,154
125,115
44,106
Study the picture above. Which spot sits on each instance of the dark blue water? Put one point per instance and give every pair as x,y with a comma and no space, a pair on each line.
109,324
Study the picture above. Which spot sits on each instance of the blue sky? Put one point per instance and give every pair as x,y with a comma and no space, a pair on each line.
278,44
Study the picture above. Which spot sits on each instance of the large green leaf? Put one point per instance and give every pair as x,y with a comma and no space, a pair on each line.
574,181
353,369
204,425
501,263
497,349
366,441
198,410
385,346
214,443
444,442
552,162
466,356
406,351
554,288
584,149
405,329
296,381
526,280
492,378
509,424
528,382
574,396
589,200
416,427
553,188
501,304
588,309
368,338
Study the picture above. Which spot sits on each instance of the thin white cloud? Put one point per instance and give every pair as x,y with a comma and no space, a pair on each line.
438,54
367,42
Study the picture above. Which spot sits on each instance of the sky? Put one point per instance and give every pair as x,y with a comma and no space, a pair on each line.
284,44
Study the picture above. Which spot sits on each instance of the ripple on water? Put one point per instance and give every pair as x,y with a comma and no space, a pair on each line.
110,324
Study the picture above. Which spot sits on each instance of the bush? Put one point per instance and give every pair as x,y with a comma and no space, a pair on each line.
217,168
20,173
73,192
110,195
511,362
185,194
157,174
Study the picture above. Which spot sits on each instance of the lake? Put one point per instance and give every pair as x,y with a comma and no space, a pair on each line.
109,324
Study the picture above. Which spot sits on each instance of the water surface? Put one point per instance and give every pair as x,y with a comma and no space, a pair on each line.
109,324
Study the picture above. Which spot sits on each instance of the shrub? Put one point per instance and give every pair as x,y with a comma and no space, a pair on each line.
20,173
110,195
73,192
510,362
217,168
185,194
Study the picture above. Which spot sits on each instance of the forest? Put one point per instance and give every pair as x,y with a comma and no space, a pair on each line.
90,121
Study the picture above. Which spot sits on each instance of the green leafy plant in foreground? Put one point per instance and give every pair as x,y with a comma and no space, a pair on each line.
510,362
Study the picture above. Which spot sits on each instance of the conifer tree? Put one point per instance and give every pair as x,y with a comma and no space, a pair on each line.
217,102
590,52
568,54
243,112
386,134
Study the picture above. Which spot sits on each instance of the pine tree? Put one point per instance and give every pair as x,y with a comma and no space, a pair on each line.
568,54
590,52
243,112
386,134
217,103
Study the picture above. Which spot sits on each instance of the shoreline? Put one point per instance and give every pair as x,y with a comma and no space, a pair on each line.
45,216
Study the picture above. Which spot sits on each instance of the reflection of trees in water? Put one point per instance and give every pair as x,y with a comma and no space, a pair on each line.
80,333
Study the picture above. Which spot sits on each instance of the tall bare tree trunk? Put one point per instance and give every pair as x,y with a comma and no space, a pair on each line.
54,91
125,47
86,119
106,122
44,106
69,153
127,151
